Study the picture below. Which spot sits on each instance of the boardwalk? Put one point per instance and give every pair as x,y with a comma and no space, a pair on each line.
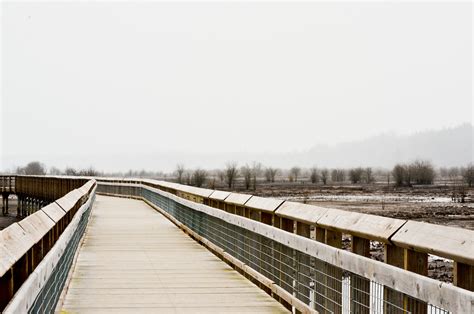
135,260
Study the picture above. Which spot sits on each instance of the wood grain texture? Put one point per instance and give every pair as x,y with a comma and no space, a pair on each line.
135,260
453,243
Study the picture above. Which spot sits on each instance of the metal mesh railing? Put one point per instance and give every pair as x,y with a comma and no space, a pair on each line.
48,297
322,286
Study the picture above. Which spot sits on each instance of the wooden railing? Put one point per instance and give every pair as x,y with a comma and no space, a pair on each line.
406,244
25,245
35,192
7,184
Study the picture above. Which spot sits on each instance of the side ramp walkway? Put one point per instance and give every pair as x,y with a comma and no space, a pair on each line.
135,260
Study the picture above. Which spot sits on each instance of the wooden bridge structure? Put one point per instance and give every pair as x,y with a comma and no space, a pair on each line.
147,245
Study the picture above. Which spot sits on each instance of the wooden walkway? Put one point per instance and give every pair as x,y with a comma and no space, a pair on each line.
135,260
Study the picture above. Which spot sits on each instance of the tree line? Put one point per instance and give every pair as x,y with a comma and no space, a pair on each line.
37,168
418,172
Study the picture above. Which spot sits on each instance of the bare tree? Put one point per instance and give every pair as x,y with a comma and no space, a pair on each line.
295,172
314,176
324,176
291,178
55,171
443,172
188,177
368,176
221,175
453,173
468,175
355,175
256,170
267,174
199,177
246,173
179,173
270,174
338,175
70,171
422,172
419,172
274,173
89,172
231,173
212,183
33,168
400,174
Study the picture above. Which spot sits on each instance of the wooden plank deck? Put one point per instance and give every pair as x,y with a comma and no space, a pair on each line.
135,260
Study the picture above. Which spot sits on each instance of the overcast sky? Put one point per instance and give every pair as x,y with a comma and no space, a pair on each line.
84,81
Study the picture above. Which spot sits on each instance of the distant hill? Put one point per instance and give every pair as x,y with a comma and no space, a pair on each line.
446,147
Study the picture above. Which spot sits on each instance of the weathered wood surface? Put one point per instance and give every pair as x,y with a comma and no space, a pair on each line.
362,225
54,212
15,242
237,198
196,191
135,260
37,225
264,204
68,201
219,195
449,242
309,214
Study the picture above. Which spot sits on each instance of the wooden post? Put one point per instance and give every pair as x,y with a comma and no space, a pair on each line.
334,278
19,206
320,277
246,212
412,261
20,272
25,208
360,287
254,214
36,254
221,205
238,209
276,221
6,288
287,258
287,225
393,300
416,262
303,284
277,256
464,276
266,218
328,286
3,205
303,229
266,251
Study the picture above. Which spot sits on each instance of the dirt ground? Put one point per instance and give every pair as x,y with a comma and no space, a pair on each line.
5,221
429,204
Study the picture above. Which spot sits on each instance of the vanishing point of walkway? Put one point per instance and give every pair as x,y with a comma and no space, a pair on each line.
135,260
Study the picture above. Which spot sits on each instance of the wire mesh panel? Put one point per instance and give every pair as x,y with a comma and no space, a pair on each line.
322,286
48,297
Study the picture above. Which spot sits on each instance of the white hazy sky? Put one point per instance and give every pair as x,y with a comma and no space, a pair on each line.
93,79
